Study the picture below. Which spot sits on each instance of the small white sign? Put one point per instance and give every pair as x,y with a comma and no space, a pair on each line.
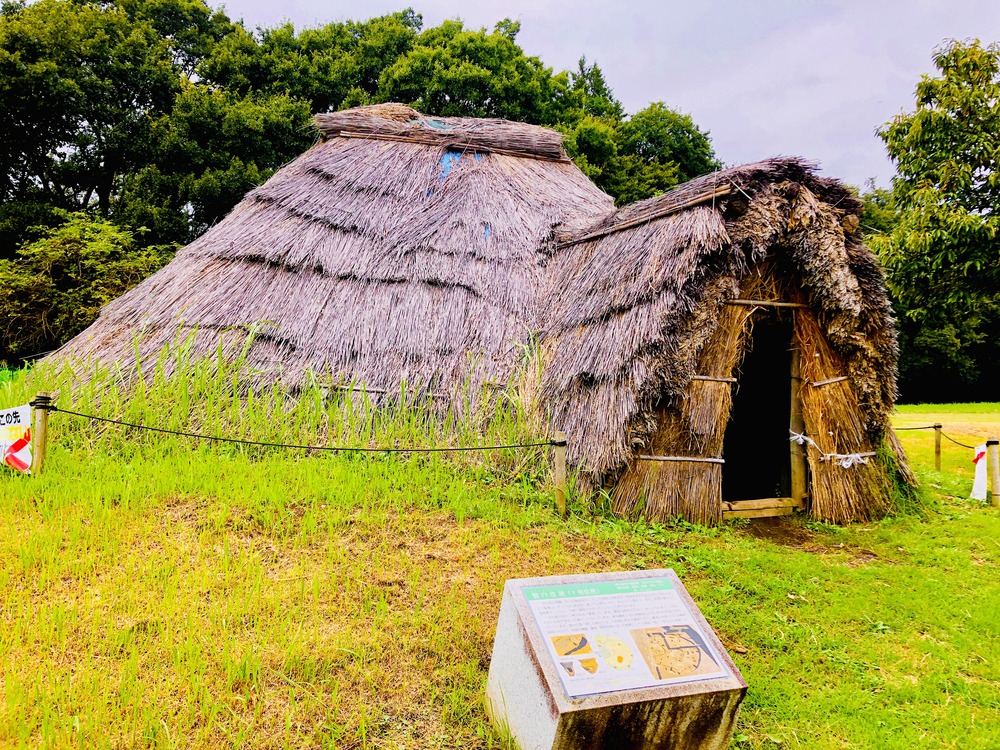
15,437
611,635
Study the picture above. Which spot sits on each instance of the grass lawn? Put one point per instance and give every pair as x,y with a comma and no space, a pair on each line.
158,593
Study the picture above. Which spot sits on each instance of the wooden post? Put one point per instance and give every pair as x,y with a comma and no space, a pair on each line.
937,447
993,456
797,424
39,430
559,456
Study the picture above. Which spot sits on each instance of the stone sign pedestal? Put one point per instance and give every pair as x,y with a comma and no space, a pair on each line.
615,660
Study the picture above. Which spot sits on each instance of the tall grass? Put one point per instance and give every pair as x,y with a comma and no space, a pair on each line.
218,397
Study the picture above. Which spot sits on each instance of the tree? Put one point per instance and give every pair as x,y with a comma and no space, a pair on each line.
452,71
641,156
660,135
943,253
79,85
211,149
331,67
57,285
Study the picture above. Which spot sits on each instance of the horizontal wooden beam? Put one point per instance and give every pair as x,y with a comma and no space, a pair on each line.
689,459
711,379
719,192
765,303
438,141
766,502
759,513
831,381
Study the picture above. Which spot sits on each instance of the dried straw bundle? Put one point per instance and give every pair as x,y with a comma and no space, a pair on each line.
836,423
397,122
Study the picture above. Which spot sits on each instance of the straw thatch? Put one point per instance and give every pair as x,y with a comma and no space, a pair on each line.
397,250
639,308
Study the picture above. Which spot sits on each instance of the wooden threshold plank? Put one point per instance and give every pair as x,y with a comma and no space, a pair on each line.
757,513
766,502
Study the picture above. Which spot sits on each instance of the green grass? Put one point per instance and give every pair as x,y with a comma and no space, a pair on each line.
158,592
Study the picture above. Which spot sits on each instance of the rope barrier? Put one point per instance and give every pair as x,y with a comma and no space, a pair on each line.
330,448
934,427
970,447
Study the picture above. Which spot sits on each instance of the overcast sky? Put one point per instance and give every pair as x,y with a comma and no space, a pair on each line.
805,77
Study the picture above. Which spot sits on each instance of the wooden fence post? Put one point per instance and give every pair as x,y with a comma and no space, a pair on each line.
559,456
993,456
937,447
39,430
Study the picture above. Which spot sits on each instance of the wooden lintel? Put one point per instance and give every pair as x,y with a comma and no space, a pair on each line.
765,303
759,513
711,379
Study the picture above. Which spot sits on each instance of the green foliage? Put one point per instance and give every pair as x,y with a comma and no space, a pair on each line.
453,71
641,156
79,86
941,250
658,135
58,283
213,148
331,67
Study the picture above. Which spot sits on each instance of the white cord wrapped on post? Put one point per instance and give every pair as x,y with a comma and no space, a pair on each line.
845,460
802,439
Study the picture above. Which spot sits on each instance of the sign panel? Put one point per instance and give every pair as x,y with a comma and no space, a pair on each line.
15,437
626,634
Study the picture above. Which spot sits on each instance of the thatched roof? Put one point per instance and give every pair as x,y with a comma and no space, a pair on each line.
397,249
635,296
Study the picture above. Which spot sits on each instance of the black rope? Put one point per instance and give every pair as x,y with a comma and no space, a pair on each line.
333,449
971,447
928,427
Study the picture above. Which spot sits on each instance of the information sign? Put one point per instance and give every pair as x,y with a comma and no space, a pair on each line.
605,636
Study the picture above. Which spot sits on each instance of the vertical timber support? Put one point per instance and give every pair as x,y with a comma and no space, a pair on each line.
797,424
937,447
559,457
993,456
39,430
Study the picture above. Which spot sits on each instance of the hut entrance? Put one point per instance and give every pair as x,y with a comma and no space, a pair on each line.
755,447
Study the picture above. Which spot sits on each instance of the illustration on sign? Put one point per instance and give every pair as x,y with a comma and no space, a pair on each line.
621,635
677,651
15,437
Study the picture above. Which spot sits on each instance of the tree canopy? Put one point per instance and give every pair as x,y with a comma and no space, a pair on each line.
940,222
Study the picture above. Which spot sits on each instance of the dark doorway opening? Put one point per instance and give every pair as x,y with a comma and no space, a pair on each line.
755,447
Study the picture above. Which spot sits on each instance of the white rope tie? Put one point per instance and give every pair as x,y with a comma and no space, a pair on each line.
802,439
845,460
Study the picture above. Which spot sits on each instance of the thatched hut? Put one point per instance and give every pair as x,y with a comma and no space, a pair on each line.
400,251
727,349
683,340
